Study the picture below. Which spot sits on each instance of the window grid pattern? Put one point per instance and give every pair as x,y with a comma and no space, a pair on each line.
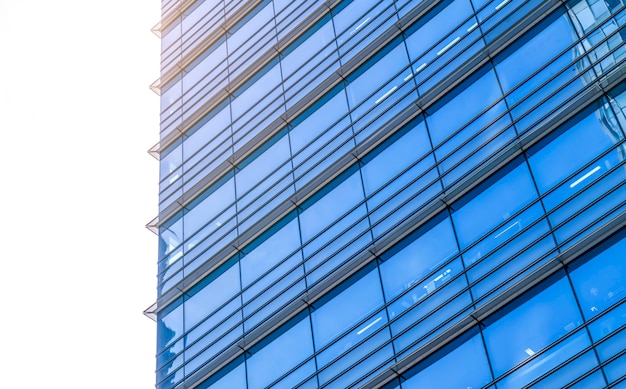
325,152
443,272
557,204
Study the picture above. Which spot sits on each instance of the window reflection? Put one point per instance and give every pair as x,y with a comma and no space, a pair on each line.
600,284
529,328
599,37
272,360
494,206
535,72
569,150
169,352
469,125
465,366
346,309
424,256
360,23
228,377
578,163
327,210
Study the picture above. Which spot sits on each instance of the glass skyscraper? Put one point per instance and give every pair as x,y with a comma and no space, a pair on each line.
399,194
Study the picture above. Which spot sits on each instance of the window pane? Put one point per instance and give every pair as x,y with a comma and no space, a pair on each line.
529,328
462,105
536,50
282,354
516,254
395,158
570,151
464,367
600,284
235,379
205,302
347,308
270,252
262,166
494,205
438,23
373,78
321,138
169,326
325,211
413,262
209,208
429,307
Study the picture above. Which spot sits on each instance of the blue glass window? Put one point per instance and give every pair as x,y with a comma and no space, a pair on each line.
465,366
209,208
334,226
207,146
206,77
394,158
571,371
329,208
469,125
570,168
615,370
263,183
359,23
234,378
504,197
393,176
429,307
313,60
381,91
411,264
256,106
531,55
321,138
169,349
439,44
572,149
367,358
375,78
169,325
280,355
271,273
434,27
251,35
213,315
599,285
517,338
599,42
534,51
339,313
206,301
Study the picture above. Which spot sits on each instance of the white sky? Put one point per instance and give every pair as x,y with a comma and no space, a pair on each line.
76,189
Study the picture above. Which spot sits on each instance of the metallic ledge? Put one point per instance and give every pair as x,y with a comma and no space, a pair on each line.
171,16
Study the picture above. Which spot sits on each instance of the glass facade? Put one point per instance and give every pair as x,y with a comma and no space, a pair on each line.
398,194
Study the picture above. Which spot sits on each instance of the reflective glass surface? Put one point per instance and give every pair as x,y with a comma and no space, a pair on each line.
377,193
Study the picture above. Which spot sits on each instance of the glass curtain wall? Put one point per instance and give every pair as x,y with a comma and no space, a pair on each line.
347,188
